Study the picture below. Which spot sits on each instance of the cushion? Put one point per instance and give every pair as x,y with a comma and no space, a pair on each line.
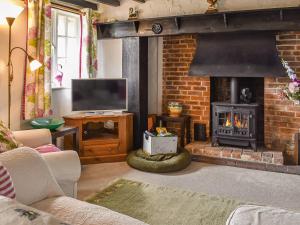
33,180
12,212
7,139
262,215
6,185
47,148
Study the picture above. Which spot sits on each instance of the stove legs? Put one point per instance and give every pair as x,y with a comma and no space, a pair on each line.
214,142
253,145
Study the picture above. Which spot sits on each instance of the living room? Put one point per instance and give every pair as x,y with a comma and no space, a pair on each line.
150,112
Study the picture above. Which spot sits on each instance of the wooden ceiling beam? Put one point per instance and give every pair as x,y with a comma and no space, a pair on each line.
81,3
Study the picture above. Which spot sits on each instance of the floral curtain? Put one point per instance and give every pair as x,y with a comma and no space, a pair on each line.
89,44
37,84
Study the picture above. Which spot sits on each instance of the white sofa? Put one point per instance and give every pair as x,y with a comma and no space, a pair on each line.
262,215
65,165
36,186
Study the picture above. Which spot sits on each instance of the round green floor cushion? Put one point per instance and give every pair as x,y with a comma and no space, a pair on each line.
159,163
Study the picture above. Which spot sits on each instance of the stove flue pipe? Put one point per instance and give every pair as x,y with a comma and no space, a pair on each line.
234,84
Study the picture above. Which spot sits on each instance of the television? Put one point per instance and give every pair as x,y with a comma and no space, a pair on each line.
99,95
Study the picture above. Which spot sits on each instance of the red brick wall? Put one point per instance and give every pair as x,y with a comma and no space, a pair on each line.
192,92
282,117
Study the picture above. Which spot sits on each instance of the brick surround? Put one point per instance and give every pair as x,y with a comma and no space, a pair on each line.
192,92
281,117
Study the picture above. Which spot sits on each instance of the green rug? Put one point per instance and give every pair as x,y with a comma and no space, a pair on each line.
164,206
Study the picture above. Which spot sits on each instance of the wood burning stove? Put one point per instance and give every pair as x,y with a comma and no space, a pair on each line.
233,123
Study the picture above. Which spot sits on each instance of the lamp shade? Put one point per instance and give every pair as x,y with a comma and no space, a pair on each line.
10,8
33,64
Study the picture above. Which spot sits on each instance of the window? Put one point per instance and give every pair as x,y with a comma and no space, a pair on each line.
65,48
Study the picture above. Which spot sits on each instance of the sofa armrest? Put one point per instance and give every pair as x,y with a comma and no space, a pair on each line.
33,138
66,169
32,178
65,165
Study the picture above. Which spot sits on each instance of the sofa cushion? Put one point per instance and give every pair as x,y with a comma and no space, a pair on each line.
7,139
47,149
31,176
262,215
78,212
12,213
7,188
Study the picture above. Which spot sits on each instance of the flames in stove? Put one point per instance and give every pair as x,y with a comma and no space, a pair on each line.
239,121
228,123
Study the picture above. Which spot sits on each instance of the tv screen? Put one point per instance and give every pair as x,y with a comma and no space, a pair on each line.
99,94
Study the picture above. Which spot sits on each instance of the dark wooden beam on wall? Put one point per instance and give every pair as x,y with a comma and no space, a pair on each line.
110,2
281,19
81,3
135,69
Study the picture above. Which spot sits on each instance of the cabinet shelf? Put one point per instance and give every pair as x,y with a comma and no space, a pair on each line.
98,144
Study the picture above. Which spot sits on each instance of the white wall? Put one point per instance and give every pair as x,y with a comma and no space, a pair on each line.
110,58
61,102
18,59
160,8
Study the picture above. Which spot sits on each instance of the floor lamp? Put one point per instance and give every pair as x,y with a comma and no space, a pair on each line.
11,12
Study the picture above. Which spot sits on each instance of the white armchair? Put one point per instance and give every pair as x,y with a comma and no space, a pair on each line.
36,187
65,165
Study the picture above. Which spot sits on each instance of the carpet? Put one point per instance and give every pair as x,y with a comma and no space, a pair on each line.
157,205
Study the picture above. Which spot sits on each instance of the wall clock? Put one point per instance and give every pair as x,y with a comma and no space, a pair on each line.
157,28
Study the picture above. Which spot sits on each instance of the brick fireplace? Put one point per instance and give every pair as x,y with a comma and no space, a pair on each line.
281,118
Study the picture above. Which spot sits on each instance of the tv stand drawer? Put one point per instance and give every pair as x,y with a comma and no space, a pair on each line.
98,150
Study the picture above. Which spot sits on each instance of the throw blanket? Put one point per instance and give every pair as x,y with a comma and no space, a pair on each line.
12,213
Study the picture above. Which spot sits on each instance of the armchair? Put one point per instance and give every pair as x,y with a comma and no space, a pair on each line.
36,187
65,165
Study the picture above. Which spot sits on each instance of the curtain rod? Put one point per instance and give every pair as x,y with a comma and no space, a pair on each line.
66,8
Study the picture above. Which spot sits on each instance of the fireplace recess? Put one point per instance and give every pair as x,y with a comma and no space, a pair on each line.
237,56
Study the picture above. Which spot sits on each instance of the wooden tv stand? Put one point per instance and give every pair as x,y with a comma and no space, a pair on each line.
99,141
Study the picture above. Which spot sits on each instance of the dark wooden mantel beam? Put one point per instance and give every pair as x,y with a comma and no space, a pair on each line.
281,19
